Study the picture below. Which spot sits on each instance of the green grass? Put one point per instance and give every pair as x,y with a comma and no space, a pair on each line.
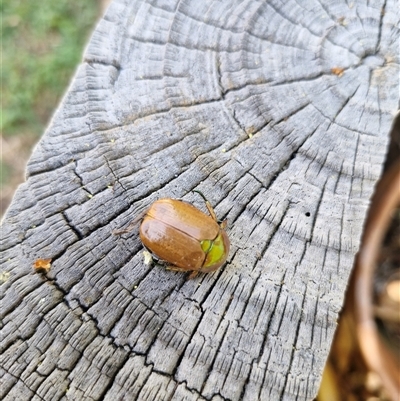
42,44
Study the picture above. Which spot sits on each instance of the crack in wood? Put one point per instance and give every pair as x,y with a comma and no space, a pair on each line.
112,378
76,231
114,175
272,84
239,32
315,315
341,109
286,377
315,215
211,365
256,360
382,14
350,194
4,313
92,62
219,76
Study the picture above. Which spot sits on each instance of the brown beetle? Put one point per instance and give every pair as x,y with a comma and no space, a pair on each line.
183,236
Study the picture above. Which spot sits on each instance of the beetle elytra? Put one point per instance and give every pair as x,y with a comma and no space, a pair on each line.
184,237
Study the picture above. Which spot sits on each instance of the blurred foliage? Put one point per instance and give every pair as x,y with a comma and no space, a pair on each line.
4,172
42,44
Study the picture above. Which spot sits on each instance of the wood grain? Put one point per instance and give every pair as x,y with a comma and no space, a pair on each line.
279,112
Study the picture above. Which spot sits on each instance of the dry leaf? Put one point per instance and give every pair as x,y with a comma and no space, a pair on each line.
337,71
42,265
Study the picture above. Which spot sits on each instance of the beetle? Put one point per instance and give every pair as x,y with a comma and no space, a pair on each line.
183,237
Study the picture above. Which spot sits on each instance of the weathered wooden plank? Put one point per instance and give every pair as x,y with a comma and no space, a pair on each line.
280,114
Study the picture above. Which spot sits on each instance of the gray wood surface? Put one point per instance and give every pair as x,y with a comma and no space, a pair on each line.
279,112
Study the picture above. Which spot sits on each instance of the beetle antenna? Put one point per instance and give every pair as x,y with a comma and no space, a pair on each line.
208,204
131,226
201,194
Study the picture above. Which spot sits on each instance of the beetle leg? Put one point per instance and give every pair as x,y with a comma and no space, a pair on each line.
193,274
175,268
211,211
223,224
208,204
131,226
